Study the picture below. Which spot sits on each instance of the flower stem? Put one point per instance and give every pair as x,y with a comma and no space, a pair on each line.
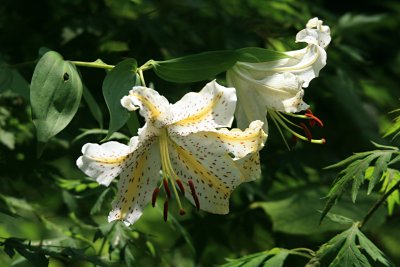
378,204
95,64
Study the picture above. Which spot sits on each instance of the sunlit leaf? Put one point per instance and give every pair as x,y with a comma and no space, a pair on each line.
207,65
355,173
56,91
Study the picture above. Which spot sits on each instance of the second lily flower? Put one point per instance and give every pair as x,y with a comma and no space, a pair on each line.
277,86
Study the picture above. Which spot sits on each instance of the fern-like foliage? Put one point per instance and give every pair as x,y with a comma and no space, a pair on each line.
350,248
273,257
395,127
354,172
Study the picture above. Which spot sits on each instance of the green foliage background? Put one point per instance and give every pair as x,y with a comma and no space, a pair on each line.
48,207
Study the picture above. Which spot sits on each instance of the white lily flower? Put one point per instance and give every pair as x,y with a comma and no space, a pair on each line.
181,140
277,86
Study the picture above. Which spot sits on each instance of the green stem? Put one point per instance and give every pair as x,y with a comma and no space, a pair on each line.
378,204
92,65
140,71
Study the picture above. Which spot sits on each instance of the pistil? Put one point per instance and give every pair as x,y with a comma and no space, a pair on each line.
169,176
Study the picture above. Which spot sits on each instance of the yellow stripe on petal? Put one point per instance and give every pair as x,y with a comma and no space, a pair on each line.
149,105
109,160
132,186
196,166
202,113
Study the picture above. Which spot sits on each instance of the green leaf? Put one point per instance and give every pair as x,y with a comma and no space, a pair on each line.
117,84
257,54
56,91
390,178
207,65
196,67
99,202
348,249
274,257
355,173
11,79
394,128
297,211
93,106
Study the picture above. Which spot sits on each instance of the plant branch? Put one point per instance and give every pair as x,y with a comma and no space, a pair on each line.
378,204
95,64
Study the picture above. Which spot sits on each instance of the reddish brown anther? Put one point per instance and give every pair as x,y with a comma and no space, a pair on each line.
195,197
182,212
314,119
306,131
323,141
166,188
154,196
180,185
165,210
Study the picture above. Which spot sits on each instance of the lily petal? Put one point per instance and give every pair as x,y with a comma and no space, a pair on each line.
104,162
211,108
204,159
153,106
136,184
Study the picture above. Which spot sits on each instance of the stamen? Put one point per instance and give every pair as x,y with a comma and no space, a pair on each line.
314,119
180,185
195,197
280,120
154,196
306,131
165,210
166,188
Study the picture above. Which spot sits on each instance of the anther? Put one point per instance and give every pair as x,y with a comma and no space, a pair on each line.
165,210
195,197
154,196
313,118
306,131
182,212
180,185
166,188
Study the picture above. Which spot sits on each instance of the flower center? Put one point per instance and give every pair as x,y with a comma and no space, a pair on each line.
168,176
280,119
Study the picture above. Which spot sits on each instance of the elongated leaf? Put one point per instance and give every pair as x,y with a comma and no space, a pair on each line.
56,91
196,67
117,84
257,54
93,106
379,168
208,65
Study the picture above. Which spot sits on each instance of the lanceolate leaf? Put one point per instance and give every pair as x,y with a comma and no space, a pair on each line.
117,84
207,65
56,91
196,67
93,106
257,54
